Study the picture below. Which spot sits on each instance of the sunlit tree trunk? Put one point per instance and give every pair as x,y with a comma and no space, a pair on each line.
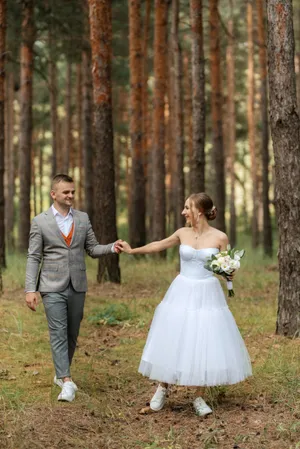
198,98
2,132
137,229
178,115
25,137
251,126
216,108
104,178
267,227
160,76
231,119
285,130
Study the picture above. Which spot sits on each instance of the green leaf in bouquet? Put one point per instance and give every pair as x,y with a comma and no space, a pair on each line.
240,253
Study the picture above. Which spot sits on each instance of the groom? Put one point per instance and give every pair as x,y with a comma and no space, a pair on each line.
58,239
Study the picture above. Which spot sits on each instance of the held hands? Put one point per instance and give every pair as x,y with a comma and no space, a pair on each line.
125,247
117,246
32,300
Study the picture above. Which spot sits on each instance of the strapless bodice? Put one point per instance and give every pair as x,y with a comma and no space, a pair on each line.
192,261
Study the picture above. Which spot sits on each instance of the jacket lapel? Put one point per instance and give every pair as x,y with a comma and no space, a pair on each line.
53,225
76,224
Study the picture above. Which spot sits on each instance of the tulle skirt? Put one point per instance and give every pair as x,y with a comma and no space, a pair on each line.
193,338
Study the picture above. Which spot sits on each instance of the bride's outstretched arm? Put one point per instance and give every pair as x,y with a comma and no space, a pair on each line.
153,247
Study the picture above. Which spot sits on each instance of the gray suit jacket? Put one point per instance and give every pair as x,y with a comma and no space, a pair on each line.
60,262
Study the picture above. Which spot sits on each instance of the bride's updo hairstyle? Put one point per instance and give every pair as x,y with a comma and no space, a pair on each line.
204,203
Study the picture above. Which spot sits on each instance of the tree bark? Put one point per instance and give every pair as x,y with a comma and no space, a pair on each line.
267,226
285,130
87,132
53,102
198,98
79,158
104,179
68,148
231,128
25,138
11,162
3,7
178,116
137,227
216,108
251,126
145,100
160,76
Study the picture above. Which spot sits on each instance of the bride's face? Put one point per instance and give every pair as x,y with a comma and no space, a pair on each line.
190,212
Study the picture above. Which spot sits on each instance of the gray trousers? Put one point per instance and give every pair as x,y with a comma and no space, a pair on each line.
64,312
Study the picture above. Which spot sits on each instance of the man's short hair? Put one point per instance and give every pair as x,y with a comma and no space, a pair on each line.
60,177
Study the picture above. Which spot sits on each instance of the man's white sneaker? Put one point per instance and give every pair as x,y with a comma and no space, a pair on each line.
60,383
159,398
201,408
67,393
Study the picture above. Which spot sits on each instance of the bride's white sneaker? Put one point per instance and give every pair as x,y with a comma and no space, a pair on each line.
159,398
201,408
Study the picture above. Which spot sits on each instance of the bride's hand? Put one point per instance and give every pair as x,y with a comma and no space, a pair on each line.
230,276
126,248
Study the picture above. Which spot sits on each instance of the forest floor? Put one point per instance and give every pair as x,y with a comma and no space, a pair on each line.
111,410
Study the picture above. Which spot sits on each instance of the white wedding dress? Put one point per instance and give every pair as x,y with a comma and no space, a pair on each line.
193,339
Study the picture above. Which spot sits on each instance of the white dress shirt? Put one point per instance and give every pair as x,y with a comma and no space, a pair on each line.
64,223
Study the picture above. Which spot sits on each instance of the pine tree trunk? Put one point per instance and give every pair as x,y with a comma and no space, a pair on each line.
267,226
11,159
160,76
79,158
231,122
145,114
68,149
251,126
104,178
53,102
188,115
41,169
170,147
285,130
87,132
216,107
25,138
198,98
2,132
178,116
137,228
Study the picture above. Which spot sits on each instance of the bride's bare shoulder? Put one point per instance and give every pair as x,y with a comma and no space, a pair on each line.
182,232
220,235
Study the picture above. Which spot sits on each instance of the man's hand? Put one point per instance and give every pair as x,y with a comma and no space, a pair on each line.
32,300
117,246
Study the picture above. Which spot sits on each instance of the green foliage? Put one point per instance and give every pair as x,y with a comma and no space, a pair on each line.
111,315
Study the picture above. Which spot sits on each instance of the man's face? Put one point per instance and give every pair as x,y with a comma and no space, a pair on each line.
63,194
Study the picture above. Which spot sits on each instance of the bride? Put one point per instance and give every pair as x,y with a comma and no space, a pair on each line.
193,339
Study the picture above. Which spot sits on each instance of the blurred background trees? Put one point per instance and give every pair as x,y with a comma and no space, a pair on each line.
169,99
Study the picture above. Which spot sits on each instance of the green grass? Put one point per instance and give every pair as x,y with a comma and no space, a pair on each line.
112,337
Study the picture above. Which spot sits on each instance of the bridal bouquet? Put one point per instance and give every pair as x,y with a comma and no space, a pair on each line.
225,263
